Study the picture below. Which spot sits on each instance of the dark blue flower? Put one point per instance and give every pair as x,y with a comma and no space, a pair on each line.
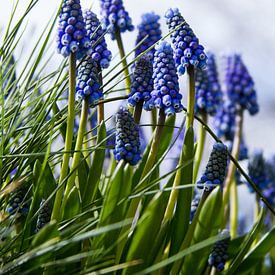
188,51
99,51
19,201
208,90
257,171
72,35
166,94
44,215
218,255
194,205
142,81
127,145
149,33
88,85
239,84
215,170
115,17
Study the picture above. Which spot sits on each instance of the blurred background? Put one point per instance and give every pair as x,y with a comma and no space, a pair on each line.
229,25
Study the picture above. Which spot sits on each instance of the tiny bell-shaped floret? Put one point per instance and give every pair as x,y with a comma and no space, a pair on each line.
188,51
44,215
149,33
142,82
166,93
257,171
115,17
72,36
218,255
208,90
99,51
239,84
127,145
88,85
215,170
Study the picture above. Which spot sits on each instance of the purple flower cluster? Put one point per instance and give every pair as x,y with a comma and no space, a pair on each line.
215,171
219,255
188,51
142,82
127,145
239,84
72,34
115,17
208,89
44,215
87,85
99,50
194,206
149,33
257,171
166,94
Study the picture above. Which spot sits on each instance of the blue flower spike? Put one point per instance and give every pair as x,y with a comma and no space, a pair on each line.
215,170
88,85
166,95
72,35
188,51
149,33
208,89
239,84
142,81
44,215
127,146
219,256
115,17
99,50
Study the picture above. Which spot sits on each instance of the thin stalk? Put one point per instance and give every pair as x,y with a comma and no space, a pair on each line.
200,147
233,210
123,61
153,119
77,154
137,112
100,107
191,96
69,137
232,168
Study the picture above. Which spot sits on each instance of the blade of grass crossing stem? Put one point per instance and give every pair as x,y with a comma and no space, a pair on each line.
246,245
147,227
183,197
96,168
208,224
258,252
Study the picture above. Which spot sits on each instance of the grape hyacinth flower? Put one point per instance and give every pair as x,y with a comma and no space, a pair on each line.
142,81
208,90
188,51
18,202
115,17
257,171
72,36
166,94
215,169
44,215
127,145
149,33
219,255
87,85
99,50
239,85
194,205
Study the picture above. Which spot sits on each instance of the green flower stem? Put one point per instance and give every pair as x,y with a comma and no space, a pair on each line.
153,119
191,96
233,210
68,139
100,105
232,168
77,154
137,112
123,61
200,147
